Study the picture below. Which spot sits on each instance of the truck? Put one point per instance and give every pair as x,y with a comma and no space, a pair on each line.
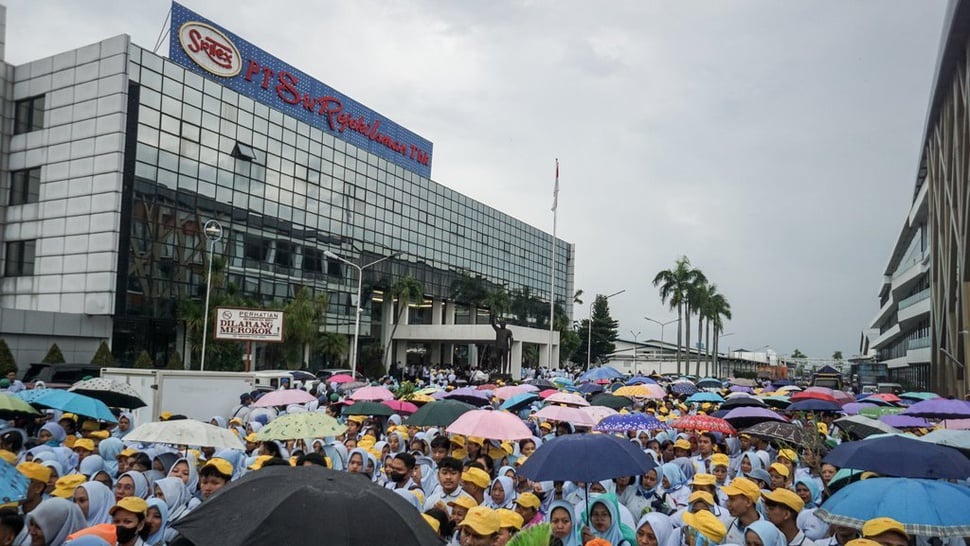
829,377
195,394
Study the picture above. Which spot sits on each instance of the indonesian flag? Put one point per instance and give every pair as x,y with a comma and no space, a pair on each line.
555,191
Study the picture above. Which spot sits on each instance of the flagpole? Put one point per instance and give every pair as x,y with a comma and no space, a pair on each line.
552,267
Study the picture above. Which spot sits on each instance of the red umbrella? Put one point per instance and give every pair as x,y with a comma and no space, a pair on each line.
818,393
703,422
487,387
884,396
547,393
400,406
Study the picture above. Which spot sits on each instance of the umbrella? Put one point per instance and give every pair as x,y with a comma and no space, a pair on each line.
30,395
818,393
547,393
924,507
685,387
814,405
519,401
340,379
486,387
919,395
468,395
567,398
640,380
902,457
562,381
590,388
905,421
311,424
744,382
878,411
746,417
780,402
73,402
13,484
884,396
705,397
400,406
507,392
740,388
113,393
375,409
743,402
184,432
305,505
491,425
703,422
630,421
567,414
598,413
438,414
610,401
600,373
586,458
956,424
542,384
959,439
641,391
860,426
710,383
527,387
12,407
284,397
939,408
777,430
789,388
376,394
347,387
853,408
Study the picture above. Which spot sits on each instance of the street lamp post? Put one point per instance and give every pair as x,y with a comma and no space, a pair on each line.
717,358
360,287
635,336
589,338
213,232
662,326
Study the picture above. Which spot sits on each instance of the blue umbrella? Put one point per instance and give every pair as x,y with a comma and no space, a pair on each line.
640,380
684,388
31,394
901,456
13,484
814,404
629,421
710,383
925,507
73,402
590,388
586,458
705,397
601,373
560,381
519,401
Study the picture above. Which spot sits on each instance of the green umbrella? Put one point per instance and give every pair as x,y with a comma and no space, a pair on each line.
368,408
12,407
877,412
919,395
611,401
440,413
780,402
294,426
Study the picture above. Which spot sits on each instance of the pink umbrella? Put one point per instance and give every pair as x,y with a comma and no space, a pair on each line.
567,414
372,393
491,425
504,393
528,388
284,397
340,378
567,398
400,406
598,413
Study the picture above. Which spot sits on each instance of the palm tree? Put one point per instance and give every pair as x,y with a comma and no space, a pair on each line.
675,285
699,299
719,309
303,316
332,345
406,291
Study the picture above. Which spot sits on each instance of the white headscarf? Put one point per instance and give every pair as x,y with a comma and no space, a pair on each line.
100,501
176,496
57,518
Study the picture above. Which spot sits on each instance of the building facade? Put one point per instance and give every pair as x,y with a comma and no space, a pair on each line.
114,158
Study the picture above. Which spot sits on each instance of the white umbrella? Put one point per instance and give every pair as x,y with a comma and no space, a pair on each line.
188,432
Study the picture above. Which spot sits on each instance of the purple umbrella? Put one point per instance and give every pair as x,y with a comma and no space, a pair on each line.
630,421
939,408
744,417
853,408
905,421
469,395
740,388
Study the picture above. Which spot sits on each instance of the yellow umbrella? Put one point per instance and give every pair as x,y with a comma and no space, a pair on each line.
641,391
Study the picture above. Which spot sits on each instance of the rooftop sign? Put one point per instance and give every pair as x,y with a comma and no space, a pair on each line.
212,51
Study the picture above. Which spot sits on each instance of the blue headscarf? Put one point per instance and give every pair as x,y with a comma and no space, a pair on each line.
573,538
813,489
158,536
768,533
110,448
754,459
647,493
617,532
675,476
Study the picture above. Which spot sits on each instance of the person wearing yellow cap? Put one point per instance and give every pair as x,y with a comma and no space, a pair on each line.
743,495
703,529
474,481
64,487
459,507
782,507
885,531
719,467
83,447
480,527
705,484
511,523
527,505
215,474
38,475
780,475
128,517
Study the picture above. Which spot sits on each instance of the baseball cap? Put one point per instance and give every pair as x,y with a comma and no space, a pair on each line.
476,440
135,505
8,456
258,463
701,496
878,526
64,487
862,542
476,476
789,454
719,459
742,486
528,500
464,501
35,471
484,521
786,497
707,524
703,479
359,419
457,440
251,438
223,466
127,452
99,434
682,444
84,443
432,521
780,468
510,518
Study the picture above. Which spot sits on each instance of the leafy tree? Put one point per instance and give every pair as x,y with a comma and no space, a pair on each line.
716,310
103,357
468,289
333,346
604,332
837,355
700,295
302,318
498,301
7,362
406,291
569,342
144,361
370,361
54,355
674,285
798,354
175,361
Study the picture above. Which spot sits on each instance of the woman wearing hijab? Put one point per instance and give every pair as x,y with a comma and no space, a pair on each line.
675,484
650,496
764,533
91,465
501,493
564,523
110,448
218,421
94,500
810,493
52,520
131,484
655,529
185,469
52,434
124,425
603,521
176,497
163,462
361,462
156,522
396,443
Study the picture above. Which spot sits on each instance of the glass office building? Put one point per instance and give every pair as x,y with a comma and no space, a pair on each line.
154,150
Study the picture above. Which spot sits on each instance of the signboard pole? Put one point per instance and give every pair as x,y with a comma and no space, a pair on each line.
249,355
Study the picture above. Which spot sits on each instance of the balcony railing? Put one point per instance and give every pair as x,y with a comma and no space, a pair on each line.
918,343
915,298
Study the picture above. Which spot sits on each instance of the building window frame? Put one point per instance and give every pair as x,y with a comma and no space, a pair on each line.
29,115
24,186
19,258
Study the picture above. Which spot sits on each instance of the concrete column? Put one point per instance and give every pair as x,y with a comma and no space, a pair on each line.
555,357
401,352
436,311
473,356
435,354
449,312
544,355
516,360
448,353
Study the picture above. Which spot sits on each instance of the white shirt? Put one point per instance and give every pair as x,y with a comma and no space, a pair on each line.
438,494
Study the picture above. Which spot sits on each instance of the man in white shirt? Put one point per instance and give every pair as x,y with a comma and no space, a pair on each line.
449,485
743,495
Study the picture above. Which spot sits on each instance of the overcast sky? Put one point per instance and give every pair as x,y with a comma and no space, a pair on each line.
774,143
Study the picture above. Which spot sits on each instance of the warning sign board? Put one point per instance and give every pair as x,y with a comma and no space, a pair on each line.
249,324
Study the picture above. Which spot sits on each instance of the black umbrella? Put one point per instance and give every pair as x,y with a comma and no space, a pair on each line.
368,408
901,457
610,401
305,505
439,413
112,393
542,384
742,402
776,430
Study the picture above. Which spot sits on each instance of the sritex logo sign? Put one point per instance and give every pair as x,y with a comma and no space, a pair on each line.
212,50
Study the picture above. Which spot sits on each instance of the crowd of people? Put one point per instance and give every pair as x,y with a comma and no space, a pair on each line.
89,485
